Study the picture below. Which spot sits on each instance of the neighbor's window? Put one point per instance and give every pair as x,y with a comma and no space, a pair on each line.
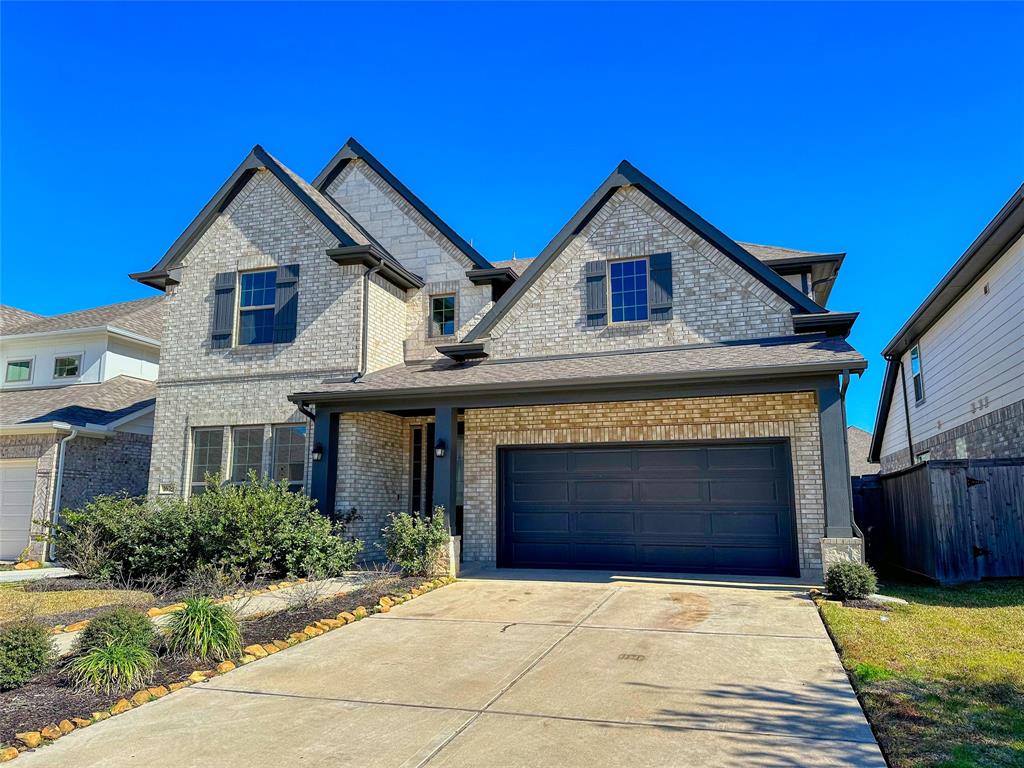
629,290
66,367
915,370
442,315
207,453
18,371
246,452
290,455
256,307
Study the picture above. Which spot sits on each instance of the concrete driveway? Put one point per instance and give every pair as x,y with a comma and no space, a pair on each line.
529,669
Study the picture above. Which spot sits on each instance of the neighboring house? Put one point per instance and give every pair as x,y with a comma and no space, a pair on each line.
77,397
644,394
954,377
859,442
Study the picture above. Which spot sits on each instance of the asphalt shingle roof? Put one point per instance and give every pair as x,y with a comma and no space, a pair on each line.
695,361
858,442
516,265
770,253
77,404
142,316
12,316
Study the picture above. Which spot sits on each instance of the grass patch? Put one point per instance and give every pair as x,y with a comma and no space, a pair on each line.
942,679
17,604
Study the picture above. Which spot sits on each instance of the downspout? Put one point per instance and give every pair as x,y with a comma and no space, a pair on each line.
57,486
842,398
364,351
906,413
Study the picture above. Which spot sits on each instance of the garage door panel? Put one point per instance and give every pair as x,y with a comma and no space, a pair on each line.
17,488
700,506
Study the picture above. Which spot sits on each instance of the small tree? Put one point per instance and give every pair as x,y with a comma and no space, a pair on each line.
416,544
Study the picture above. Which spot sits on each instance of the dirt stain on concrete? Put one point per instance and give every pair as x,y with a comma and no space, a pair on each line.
688,609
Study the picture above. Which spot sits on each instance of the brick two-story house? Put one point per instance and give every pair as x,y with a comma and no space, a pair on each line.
646,393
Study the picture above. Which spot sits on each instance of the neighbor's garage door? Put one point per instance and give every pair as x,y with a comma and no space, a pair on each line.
17,482
702,507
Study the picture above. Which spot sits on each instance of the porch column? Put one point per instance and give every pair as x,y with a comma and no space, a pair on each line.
446,433
323,479
835,464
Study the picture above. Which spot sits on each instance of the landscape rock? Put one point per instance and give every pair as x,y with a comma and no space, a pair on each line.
51,732
81,722
158,692
178,686
360,613
66,726
122,706
347,617
225,666
97,716
141,697
255,650
78,625
281,645
30,739
197,677
8,754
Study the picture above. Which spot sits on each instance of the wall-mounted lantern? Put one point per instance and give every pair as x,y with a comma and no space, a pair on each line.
439,449
318,452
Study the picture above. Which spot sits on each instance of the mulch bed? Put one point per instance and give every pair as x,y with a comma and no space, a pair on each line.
50,698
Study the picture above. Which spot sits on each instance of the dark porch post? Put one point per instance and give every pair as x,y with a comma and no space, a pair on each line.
835,464
446,432
324,473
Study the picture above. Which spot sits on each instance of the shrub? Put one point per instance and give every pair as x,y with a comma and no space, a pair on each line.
117,665
415,544
850,581
205,630
25,651
118,625
258,528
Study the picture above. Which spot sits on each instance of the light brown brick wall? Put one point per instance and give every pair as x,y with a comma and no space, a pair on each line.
714,299
790,415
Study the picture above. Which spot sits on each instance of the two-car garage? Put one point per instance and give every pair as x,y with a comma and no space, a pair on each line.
712,507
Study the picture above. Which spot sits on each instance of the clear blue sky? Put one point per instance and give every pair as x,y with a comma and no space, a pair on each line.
891,132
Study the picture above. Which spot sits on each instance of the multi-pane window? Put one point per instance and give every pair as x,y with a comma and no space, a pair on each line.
256,307
416,492
246,452
917,373
207,453
18,371
289,461
628,290
66,367
442,315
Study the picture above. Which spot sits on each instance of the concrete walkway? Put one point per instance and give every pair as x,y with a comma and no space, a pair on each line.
10,577
573,670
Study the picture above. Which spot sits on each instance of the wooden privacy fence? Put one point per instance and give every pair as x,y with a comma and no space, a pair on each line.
951,521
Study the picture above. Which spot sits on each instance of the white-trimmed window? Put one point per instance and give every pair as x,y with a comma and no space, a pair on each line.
18,371
917,373
257,297
67,366
207,456
628,290
289,455
246,453
442,315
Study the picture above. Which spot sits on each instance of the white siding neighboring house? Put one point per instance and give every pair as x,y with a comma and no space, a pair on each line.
955,371
77,396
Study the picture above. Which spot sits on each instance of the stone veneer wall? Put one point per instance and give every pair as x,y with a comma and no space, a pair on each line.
792,415
42,448
996,435
714,298
373,472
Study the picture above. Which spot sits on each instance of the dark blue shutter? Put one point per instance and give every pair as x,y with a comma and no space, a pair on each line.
223,310
595,275
286,309
659,292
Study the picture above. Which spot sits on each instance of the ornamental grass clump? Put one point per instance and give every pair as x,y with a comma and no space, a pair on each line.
116,666
204,630
25,652
850,581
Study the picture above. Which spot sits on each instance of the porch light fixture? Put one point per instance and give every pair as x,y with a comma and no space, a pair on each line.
318,452
439,449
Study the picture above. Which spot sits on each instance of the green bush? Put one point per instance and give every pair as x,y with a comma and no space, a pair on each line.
258,528
25,652
850,581
415,544
128,625
116,666
205,630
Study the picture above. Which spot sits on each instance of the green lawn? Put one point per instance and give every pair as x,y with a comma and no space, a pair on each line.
942,679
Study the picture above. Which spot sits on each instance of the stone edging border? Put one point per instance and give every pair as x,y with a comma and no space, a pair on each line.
163,610
32,739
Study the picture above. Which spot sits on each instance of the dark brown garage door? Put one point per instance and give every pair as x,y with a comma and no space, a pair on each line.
722,507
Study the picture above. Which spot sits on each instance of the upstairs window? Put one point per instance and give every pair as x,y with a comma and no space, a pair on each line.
629,290
207,456
290,455
18,371
67,367
256,307
442,315
917,373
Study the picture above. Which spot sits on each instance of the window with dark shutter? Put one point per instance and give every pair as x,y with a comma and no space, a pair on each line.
286,307
595,275
661,286
223,310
